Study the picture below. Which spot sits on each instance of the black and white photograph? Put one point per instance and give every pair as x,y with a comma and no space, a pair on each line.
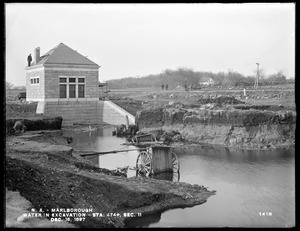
149,115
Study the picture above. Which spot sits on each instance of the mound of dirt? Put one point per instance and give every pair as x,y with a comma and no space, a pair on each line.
35,124
220,100
132,106
21,110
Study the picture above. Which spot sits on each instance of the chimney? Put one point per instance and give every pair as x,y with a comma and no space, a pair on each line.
37,55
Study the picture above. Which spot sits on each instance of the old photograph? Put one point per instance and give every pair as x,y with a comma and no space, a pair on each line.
178,115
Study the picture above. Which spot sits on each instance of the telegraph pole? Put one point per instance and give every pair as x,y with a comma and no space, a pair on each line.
257,77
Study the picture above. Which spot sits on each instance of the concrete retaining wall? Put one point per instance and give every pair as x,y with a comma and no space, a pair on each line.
85,112
113,114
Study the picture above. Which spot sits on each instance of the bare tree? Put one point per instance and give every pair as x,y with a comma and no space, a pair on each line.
20,87
9,85
281,73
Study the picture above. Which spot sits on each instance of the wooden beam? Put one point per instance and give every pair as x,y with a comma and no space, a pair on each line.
114,151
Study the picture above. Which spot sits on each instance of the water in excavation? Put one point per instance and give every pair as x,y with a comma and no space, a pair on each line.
254,188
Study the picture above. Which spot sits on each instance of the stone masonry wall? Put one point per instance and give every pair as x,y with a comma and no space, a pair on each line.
75,112
52,82
85,112
113,114
35,91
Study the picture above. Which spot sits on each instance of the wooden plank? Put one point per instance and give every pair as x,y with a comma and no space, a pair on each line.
108,152
144,138
144,143
161,159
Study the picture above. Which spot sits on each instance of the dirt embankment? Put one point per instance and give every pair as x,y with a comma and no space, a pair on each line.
266,98
17,109
238,128
42,168
35,124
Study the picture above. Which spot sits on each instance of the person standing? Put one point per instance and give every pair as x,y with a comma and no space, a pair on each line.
29,59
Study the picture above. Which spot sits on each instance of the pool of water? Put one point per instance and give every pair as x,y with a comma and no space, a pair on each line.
254,188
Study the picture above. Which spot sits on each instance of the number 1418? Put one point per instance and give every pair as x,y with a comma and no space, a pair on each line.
265,214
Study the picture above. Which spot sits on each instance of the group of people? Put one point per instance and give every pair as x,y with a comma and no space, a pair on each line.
164,86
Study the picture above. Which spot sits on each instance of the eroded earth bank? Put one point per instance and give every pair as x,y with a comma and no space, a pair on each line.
238,128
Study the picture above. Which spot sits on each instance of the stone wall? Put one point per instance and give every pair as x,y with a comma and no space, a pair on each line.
85,112
35,91
52,82
113,114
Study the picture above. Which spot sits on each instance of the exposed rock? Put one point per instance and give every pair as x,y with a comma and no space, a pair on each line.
171,103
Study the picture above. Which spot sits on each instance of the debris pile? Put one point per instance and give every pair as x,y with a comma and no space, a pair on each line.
220,100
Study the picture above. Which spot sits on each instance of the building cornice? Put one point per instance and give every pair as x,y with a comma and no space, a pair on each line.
61,68
33,67
59,65
62,100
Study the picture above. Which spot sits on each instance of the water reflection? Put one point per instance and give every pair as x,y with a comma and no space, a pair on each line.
142,222
247,183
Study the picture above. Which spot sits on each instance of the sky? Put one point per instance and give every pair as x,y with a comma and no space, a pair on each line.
134,40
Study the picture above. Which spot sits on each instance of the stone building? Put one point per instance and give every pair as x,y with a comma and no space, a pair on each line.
66,83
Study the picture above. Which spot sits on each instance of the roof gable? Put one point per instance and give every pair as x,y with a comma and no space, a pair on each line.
206,78
62,54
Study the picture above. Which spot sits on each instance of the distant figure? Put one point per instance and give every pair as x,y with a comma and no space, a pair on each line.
29,59
162,86
166,87
19,127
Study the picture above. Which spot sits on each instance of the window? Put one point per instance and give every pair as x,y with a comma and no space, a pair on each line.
72,91
62,80
34,80
81,91
71,87
62,88
63,91
80,80
72,80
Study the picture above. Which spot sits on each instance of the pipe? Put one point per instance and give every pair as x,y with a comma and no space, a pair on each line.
115,151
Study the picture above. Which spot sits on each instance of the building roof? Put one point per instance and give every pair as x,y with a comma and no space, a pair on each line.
205,79
62,54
